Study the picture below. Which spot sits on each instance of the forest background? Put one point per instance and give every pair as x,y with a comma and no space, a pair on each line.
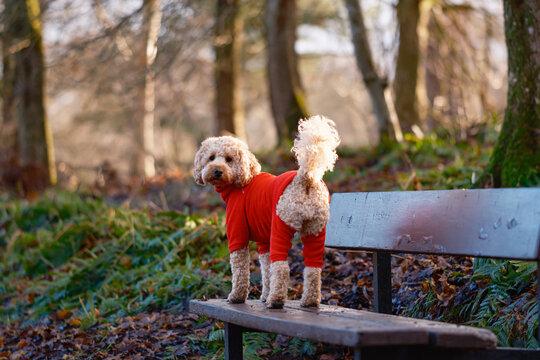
97,75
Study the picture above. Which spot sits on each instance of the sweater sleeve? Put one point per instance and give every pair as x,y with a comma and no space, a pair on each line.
237,227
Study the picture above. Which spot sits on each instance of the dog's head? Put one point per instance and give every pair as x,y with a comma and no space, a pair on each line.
224,160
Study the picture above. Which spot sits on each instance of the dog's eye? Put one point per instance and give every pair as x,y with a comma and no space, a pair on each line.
228,159
212,157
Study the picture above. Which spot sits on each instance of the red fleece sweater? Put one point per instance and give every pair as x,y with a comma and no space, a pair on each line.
251,215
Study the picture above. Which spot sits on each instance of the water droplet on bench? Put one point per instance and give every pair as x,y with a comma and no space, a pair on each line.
497,224
428,239
482,235
510,224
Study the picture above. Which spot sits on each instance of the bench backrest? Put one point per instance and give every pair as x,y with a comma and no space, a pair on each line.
498,223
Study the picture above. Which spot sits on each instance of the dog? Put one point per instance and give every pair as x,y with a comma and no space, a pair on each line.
270,209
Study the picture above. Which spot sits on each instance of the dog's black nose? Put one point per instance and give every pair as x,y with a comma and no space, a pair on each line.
218,173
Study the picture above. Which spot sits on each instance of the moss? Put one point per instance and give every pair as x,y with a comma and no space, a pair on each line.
516,160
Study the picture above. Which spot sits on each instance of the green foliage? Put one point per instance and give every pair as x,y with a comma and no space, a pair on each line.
69,252
506,304
434,162
504,300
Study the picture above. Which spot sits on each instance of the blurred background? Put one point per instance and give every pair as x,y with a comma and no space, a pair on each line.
131,87
103,106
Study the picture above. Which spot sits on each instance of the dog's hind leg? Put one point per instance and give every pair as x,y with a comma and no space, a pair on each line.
313,258
240,276
312,287
264,259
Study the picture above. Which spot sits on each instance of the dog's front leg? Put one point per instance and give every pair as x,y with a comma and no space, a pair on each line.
279,283
264,259
240,276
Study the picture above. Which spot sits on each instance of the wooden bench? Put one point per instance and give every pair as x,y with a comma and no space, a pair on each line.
497,223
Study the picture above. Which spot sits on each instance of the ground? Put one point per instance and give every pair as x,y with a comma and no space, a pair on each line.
108,273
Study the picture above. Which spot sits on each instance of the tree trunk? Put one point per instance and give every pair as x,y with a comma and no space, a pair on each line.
8,124
516,159
405,81
229,106
364,61
145,99
286,94
422,101
36,151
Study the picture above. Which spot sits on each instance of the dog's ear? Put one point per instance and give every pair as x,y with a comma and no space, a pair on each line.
198,164
249,168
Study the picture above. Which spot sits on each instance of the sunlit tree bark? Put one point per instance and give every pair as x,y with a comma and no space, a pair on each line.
516,157
364,61
406,77
8,123
35,143
286,93
228,31
145,99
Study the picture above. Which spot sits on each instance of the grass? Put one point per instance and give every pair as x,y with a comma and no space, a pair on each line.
67,252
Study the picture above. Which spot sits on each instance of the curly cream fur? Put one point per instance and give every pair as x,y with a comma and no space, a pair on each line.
304,206
305,211
315,147
240,276
264,259
311,296
279,283
304,203
214,153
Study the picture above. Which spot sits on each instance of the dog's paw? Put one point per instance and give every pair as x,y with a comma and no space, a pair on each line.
235,299
309,302
274,301
264,295
276,304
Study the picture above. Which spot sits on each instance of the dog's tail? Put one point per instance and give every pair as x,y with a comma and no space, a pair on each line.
315,147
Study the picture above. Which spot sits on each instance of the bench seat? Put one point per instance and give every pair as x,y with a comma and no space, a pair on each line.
342,326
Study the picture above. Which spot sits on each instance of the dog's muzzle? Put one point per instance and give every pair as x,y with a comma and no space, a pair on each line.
217,173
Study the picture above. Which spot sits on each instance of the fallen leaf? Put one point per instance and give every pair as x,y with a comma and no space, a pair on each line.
74,321
64,314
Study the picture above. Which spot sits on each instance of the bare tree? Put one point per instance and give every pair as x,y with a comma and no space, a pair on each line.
406,76
374,84
229,106
8,125
35,143
286,93
516,160
145,98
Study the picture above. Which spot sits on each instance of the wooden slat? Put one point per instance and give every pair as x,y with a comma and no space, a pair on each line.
342,326
435,353
499,223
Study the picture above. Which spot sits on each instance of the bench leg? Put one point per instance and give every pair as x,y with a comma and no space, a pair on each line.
382,282
233,342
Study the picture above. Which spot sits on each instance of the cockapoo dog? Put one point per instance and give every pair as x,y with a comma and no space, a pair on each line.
270,209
